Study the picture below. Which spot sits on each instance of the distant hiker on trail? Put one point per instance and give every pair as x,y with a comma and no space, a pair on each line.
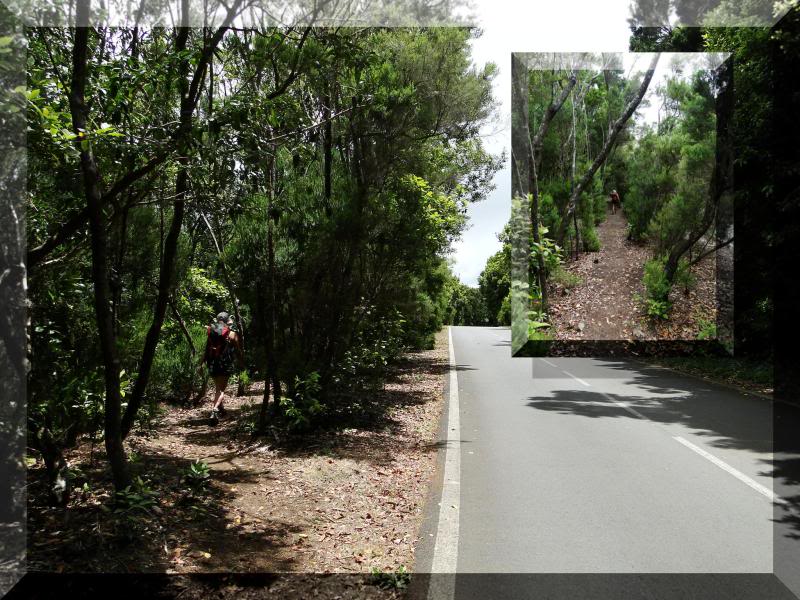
615,202
221,343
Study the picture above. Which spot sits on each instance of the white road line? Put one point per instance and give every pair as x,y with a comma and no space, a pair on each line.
761,489
576,378
726,467
445,550
549,363
622,405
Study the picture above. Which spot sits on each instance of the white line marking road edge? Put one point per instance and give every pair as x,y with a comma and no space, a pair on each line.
726,467
445,550
549,363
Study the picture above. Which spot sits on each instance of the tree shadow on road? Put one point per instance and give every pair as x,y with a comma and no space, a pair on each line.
726,418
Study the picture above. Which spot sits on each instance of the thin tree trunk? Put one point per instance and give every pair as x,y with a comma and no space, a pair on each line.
190,93
271,371
182,325
99,243
572,175
721,178
540,268
170,245
549,114
601,158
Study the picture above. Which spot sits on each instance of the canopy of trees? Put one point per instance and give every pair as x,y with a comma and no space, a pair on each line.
309,181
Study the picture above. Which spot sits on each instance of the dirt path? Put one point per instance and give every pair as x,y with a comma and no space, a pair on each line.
602,307
348,500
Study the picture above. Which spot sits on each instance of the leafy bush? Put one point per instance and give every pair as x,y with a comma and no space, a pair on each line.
565,278
591,243
304,407
504,314
135,499
375,344
197,475
550,251
174,366
387,580
708,330
657,289
599,208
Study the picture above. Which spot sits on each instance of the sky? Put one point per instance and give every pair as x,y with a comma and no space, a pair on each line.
533,26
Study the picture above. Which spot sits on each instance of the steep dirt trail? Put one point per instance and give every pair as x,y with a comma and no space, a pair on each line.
602,307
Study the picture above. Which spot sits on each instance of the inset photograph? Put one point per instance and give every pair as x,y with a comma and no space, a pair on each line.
622,212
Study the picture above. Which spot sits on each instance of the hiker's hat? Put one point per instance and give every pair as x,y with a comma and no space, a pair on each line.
223,317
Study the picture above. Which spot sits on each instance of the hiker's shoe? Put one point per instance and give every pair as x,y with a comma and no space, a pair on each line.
214,417
221,410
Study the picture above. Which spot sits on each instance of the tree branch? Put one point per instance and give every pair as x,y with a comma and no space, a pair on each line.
601,158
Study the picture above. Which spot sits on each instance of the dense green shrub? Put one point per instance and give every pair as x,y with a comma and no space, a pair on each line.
657,289
589,239
565,278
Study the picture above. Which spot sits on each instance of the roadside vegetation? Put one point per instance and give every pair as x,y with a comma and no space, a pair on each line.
310,182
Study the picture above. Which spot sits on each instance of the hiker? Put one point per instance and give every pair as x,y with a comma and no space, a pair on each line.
221,344
615,202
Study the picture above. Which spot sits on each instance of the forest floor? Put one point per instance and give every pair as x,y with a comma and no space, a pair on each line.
338,501
607,305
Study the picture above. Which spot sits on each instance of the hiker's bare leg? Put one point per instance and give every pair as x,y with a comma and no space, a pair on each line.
220,383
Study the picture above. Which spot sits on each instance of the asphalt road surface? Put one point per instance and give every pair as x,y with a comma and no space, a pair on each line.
599,466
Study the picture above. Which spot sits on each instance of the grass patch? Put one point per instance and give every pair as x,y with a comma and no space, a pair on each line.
565,279
748,373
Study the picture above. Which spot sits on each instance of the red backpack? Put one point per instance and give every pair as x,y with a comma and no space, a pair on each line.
217,340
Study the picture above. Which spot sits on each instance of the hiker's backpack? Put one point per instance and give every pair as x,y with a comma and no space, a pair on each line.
217,340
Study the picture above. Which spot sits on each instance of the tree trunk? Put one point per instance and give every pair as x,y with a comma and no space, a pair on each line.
549,114
271,371
540,268
601,158
721,178
572,175
170,246
190,95
534,147
99,243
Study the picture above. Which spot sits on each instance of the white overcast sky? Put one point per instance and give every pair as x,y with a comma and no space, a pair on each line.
534,26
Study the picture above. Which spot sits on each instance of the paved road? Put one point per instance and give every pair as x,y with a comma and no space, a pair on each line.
609,466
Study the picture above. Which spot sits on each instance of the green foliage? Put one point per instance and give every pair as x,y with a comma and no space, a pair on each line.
197,475
494,283
657,289
337,259
465,305
548,249
504,312
301,410
398,580
135,499
684,278
565,279
708,330
589,239
378,341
